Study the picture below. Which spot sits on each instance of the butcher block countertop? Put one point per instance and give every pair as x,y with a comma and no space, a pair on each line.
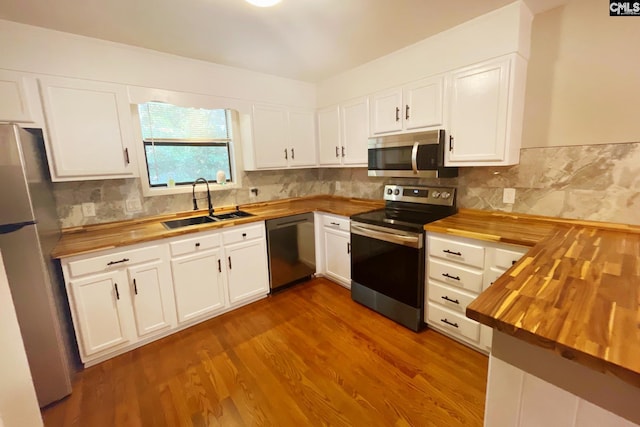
576,292
91,238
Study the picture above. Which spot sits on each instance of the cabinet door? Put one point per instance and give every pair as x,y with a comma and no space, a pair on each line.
355,131
91,134
146,288
247,270
329,136
14,102
423,102
337,252
99,302
269,136
302,138
479,102
198,283
386,114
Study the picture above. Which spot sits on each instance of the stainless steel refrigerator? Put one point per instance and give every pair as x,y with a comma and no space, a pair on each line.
29,229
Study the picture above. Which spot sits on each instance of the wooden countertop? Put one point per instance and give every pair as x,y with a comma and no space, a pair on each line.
576,292
91,238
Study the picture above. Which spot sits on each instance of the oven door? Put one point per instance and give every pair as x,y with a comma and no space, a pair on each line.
388,261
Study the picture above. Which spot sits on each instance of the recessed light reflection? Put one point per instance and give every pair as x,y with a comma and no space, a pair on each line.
263,3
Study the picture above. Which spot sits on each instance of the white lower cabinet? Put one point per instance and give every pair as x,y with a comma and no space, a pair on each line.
458,269
198,283
99,313
152,311
246,262
119,298
335,248
123,298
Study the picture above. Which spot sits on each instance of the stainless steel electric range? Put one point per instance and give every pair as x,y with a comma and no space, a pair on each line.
388,251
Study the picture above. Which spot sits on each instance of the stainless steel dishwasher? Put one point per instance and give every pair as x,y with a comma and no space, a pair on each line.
292,252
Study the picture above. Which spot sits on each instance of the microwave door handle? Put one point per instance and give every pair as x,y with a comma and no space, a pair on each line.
414,157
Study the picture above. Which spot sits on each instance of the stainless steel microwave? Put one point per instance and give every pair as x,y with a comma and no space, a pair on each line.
418,155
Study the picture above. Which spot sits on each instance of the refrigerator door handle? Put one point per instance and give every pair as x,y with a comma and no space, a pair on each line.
10,228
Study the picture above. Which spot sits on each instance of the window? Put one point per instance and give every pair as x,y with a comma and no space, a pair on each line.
182,144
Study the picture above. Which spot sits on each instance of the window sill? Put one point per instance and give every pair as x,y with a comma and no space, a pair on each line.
167,191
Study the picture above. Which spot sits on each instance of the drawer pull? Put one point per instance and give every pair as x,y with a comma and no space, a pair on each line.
447,251
197,244
244,235
117,293
514,262
135,287
118,262
451,277
337,224
455,301
455,325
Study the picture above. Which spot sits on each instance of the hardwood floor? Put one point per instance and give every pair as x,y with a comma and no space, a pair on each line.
306,356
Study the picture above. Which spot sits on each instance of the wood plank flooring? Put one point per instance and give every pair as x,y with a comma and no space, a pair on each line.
307,356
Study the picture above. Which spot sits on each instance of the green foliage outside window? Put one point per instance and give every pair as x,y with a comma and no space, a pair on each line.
182,144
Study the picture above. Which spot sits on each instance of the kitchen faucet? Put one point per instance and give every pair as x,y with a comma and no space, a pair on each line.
193,192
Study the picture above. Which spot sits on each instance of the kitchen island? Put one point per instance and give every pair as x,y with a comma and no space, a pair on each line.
566,319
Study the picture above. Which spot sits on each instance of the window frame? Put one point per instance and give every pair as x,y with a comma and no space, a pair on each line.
233,145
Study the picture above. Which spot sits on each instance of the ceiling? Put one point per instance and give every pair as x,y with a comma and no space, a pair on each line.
307,40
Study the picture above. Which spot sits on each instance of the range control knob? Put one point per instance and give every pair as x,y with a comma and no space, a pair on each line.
445,195
396,191
389,191
435,194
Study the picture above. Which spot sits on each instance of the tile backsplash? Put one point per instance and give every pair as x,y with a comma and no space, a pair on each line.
595,182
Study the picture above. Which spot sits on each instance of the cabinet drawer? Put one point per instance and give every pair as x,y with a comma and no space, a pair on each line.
451,298
193,244
336,222
491,276
102,263
242,234
455,275
453,322
456,251
504,258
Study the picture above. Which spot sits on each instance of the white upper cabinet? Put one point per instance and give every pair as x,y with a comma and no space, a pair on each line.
386,109
343,132
90,129
302,138
283,138
15,105
487,103
415,106
329,141
423,103
354,123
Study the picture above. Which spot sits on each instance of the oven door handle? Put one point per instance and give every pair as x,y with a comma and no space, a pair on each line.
411,241
414,157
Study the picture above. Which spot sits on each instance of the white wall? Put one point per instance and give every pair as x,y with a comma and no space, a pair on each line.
37,50
18,402
583,82
497,33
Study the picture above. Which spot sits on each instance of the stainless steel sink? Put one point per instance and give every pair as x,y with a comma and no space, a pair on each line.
177,223
232,215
